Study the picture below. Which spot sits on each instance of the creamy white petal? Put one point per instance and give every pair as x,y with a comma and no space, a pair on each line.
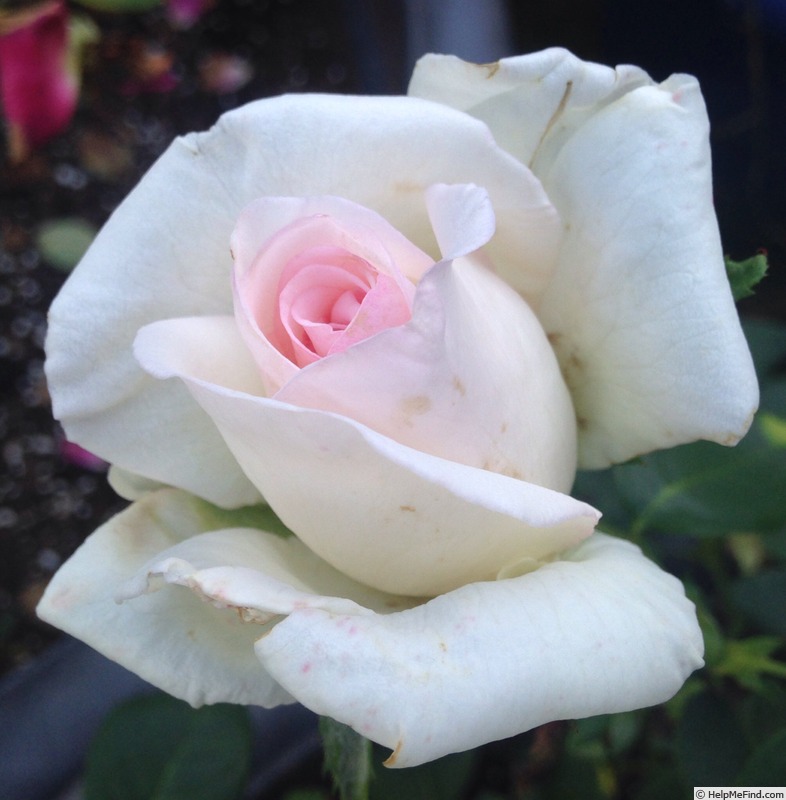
528,99
395,518
130,486
639,310
172,639
600,631
260,575
165,253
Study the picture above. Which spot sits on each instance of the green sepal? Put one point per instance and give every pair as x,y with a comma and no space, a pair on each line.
744,275
260,516
347,759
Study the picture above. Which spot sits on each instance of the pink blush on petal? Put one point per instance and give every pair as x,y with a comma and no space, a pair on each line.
330,298
384,306
308,285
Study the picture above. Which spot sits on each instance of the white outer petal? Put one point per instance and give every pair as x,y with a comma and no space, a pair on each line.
258,574
171,639
524,98
165,253
639,310
601,631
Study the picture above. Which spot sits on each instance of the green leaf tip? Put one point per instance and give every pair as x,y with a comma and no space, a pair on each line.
773,428
744,275
347,759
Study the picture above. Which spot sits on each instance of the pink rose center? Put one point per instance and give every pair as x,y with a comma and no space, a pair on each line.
320,283
330,298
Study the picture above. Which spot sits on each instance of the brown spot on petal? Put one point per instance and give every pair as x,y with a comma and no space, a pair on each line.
582,422
407,187
491,69
393,757
419,404
459,386
407,508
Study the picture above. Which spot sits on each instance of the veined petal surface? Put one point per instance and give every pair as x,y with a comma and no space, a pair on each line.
525,100
639,309
600,630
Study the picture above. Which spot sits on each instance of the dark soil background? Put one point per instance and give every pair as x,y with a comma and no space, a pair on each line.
48,501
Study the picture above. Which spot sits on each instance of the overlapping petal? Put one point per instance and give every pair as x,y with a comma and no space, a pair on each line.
398,519
274,230
472,378
164,253
639,309
600,630
525,100
172,639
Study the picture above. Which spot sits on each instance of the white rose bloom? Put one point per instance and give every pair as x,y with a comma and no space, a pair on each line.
403,325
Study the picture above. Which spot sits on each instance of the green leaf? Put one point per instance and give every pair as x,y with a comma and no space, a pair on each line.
767,341
443,779
766,766
744,275
159,748
763,598
748,660
706,490
121,6
773,429
580,779
775,544
764,713
63,242
661,782
347,759
710,741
